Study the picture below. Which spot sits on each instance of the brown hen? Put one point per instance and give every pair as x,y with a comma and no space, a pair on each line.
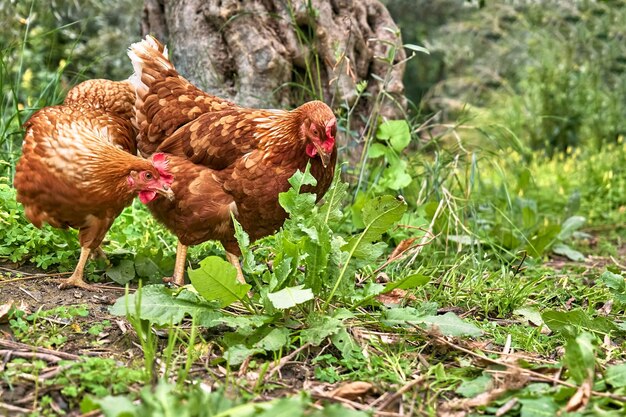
79,166
226,160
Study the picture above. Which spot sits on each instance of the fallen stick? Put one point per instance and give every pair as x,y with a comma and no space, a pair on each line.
24,347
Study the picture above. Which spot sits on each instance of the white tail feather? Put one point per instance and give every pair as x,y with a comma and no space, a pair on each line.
146,53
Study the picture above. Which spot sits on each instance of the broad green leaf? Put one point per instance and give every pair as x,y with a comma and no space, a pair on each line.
531,314
334,200
294,202
571,254
580,356
377,150
396,132
318,256
379,215
146,264
616,375
115,406
123,272
161,307
408,282
274,340
216,279
529,217
356,210
345,343
448,324
368,292
401,316
613,281
284,407
243,240
290,297
235,355
300,179
542,239
557,321
320,327
570,225
245,325
539,407
616,284
472,387
395,176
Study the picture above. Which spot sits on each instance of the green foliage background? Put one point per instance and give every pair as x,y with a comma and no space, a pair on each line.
551,72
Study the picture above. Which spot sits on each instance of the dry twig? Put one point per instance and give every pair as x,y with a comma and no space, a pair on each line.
17,346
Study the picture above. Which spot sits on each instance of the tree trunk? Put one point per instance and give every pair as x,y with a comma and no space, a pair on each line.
280,53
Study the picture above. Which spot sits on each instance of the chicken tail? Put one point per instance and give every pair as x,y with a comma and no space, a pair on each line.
164,100
150,63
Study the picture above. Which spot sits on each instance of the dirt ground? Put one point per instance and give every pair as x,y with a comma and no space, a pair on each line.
30,290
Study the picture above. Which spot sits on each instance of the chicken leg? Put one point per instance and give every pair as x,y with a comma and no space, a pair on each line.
98,253
178,278
76,279
234,260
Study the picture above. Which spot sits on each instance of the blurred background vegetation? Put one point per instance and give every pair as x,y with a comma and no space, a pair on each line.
47,47
553,72
553,75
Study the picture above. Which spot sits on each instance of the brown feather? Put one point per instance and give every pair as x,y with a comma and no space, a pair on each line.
226,159
76,159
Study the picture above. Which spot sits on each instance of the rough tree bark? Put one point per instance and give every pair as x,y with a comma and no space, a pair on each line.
255,52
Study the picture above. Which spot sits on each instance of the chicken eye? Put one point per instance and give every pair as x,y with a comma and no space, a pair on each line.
147,176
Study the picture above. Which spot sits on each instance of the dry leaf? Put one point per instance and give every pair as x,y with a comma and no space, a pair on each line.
401,248
581,398
351,390
4,311
395,297
6,307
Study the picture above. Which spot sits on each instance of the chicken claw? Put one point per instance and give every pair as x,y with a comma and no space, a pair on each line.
76,280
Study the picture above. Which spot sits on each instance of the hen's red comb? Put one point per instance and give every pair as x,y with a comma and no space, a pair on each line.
160,162
329,143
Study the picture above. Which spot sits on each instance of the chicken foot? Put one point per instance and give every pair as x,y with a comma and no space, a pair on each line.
178,278
234,260
76,279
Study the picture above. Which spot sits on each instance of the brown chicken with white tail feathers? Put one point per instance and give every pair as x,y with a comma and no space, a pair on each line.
79,166
226,160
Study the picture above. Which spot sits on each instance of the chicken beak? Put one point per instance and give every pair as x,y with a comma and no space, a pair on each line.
324,156
166,192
